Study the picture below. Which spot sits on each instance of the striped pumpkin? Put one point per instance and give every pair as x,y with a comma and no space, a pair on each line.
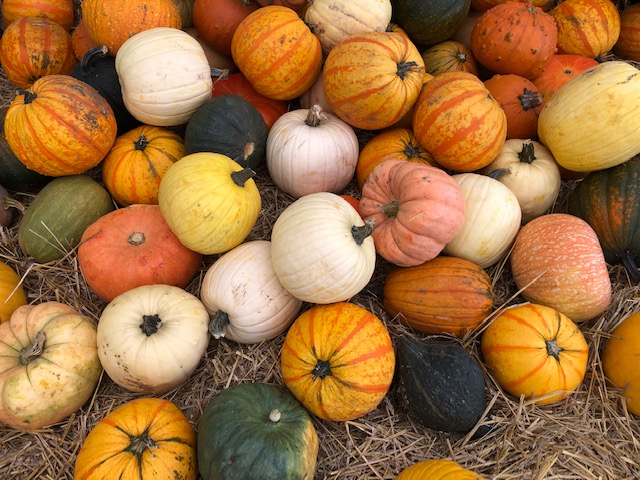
628,44
338,361
449,55
458,121
58,11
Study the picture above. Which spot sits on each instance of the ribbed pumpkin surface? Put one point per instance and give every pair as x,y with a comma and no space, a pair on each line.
58,11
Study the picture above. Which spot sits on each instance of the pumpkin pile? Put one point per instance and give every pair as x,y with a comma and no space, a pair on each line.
418,150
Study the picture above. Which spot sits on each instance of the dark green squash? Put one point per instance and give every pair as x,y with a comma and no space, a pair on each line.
230,125
428,22
439,384
57,217
609,201
256,431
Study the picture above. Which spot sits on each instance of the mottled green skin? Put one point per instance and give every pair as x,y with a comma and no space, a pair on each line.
428,22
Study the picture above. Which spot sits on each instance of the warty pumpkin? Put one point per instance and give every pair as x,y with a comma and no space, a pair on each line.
12,293
437,469
58,11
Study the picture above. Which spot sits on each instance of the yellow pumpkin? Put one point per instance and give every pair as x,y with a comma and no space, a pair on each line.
12,294
437,469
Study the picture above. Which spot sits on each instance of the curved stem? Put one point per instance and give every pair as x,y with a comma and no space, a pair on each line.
495,174
247,151
8,202
241,176
362,232
87,64
29,96
29,353
218,323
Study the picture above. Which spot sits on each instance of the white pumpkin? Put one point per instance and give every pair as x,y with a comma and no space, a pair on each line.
164,76
321,249
244,297
492,220
151,338
310,151
529,170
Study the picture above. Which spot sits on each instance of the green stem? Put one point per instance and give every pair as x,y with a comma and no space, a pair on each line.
29,353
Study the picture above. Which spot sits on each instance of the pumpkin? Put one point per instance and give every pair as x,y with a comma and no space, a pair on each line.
437,469
137,161
159,53
256,431
338,361
484,5
81,40
49,365
58,11
321,249
229,125
561,68
71,142
396,143
114,22
277,52
310,151
336,20
298,6
428,22
371,80
12,293
586,27
535,351
442,295
416,210
33,47
458,121
209,201
599,100
439,384
557,261
246,301
609,201
628,44
620,360
151,338
57,217
315,96
185,8
130,247
449,55
144,438
216,60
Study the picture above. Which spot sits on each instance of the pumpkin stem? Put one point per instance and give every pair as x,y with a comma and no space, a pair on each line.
553,349
628,260
241,176
150,324
363,231
219,74
275,415
530,99
136,238
527,154
29,353
322,369
216,326
8,202
405,68
89,58
141,443
141,143
497,172
391,209
315,116
29,96
412,151
247,151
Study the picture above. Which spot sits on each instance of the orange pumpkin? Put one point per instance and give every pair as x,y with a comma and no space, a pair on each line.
437,469
338,361
298,5
561,68
535,351
449,55
58,11
628,44
277,52
484,5
443,295
12,293
81,40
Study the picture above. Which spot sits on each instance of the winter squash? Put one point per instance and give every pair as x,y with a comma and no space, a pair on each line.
428,22
620,360
491,222
437,469
261,425
209,201
12,293
628,44
33,47
442,295
514,37
561,68
185,7
81,40
152,337
55,220
246,301
49,367
159,53
130,247
439,384
338,361
321,249
371,80
143,438
557,261
529,170
449,55
336,20
113,23
136,163
58,11
71,142
484,5
416,210
310,151
298,6
458,121
277,52
601,96
535,351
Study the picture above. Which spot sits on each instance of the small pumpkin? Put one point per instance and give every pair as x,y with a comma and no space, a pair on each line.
449,55
12,293
561,68
437,469
81,40
58,11
428,22
628,44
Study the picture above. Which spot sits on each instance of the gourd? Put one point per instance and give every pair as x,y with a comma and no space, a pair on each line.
12,293
449,55
428,22
628,44
151,338
561,68
58,11
256,431
437,469
338,361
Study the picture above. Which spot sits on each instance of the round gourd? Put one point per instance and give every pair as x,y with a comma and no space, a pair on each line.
428,22
437,469
338,361
151,338
58,11
256,431
12,293
50,365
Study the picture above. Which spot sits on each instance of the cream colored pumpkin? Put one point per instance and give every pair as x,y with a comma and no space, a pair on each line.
244,297
492,220
321,249
151,338
309,151
529,170
164,76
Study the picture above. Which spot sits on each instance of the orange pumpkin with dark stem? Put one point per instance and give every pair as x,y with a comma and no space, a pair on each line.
338,361
628,44
58,11
449,55
561,68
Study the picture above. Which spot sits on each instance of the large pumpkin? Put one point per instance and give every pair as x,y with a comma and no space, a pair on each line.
338,361
428,22
561,68
628,44
437,469
58,11
12,293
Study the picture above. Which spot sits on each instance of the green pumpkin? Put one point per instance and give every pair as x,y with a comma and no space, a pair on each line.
256,431
428,22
